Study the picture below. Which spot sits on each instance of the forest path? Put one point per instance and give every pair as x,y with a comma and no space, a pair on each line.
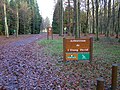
28,40
24,65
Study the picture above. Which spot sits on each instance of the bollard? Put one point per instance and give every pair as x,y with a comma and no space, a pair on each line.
100,84
114,76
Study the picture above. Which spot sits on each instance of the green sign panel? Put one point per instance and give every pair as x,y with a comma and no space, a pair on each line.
83,56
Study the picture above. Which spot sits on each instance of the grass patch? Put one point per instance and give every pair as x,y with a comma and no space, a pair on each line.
108,52
52,47
101,49
105,53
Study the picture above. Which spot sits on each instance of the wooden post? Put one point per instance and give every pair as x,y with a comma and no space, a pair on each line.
100,84
47,34
91,49
114,76
47,37
52,34
64,51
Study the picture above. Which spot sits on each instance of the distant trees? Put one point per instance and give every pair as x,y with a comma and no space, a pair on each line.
106,17
21,17
25,18
46,22
69,18
109,18
96,16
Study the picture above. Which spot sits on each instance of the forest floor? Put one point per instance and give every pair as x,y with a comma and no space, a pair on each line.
30,62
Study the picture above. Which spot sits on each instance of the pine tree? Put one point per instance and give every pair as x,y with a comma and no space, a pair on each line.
56,19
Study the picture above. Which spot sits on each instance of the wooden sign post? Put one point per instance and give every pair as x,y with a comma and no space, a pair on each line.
49,32
77,49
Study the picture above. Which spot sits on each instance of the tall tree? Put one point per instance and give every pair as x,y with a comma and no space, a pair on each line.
36,17
1,18
69,11
68,19
17,29
17,12
14,16
113,17
93,25
25,17
97,28
42,27
101,17
118,21
47,22
109,18
61,17
76,18
5,18
38,20
105,16
79,24
87,17
83,21
56,19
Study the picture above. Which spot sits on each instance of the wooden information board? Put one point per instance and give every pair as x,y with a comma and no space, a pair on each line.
49,32
77,49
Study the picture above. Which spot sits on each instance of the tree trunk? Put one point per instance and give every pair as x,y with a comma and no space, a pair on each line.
100,22
61,17
33,21
79,26
118,29
105,16
77,20
69,26
5,18
74,19
109,18
87,17
93,25
97,28
17,22
100,19
113,15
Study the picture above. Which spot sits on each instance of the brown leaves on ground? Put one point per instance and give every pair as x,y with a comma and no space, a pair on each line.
27,66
